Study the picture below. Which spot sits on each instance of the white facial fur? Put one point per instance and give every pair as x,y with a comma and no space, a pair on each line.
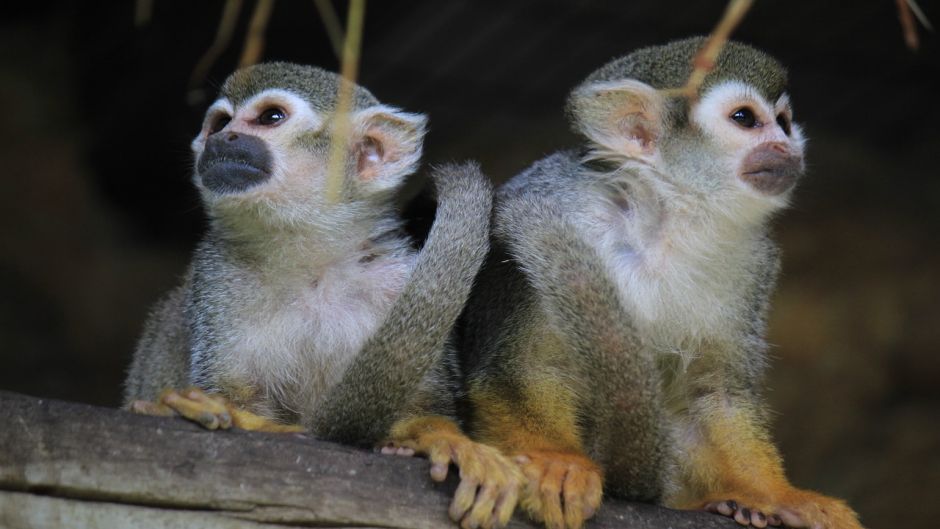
384,147
298,174
712,115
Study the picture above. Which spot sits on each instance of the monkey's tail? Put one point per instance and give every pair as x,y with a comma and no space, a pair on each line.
387,373
582,303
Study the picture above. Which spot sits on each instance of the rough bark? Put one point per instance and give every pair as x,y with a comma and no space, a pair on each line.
72,465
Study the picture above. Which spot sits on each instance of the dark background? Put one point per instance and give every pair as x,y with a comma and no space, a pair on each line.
97,214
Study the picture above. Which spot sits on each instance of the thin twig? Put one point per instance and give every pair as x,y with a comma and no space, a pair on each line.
341,119
223,36
907,25
704,61
254,41
143,12
919,13
334,28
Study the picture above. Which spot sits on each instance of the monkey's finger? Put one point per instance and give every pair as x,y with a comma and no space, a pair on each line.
743,516
774,520
505,505
481,512
727,508
791,518
441,456
214,404
593,494
145,407
463,499
758,519
573,493
550,493
193,411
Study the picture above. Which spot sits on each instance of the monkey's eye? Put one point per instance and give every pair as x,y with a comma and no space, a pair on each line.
219,123
272,116
745,117
784,123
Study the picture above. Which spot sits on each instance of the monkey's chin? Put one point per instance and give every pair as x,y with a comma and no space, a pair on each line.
229,177
774,181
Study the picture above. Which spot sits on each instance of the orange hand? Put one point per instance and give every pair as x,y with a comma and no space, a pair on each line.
489,482
563,490
791,507
210,411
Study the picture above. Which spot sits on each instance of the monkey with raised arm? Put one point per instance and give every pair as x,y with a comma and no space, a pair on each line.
616,333
304,312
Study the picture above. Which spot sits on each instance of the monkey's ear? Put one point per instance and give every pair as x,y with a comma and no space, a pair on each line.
387,146
624,117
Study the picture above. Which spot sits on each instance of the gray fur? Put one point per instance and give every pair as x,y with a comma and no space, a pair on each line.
625,430
564,231
380,383
236,289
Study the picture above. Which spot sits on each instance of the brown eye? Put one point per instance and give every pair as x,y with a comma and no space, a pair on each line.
784,123
219,123
745,117
272,116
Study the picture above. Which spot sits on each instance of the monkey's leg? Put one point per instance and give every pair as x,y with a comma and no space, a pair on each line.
489,481
210,411
563,486
734,470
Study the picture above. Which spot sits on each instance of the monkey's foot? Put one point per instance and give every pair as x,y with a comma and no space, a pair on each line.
563,489
489,481
792,508
210,411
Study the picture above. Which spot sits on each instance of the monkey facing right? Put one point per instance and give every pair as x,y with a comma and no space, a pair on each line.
615,339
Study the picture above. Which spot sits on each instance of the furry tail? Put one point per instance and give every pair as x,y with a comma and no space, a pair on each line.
377,387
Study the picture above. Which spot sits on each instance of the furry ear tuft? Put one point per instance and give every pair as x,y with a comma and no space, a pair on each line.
624,118
387,146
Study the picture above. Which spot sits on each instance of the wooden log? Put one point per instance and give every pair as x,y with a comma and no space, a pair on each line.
71,465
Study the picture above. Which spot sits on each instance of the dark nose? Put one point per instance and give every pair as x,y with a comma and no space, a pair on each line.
772,168
234,162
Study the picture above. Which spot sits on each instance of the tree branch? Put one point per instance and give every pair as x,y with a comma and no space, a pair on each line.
72,465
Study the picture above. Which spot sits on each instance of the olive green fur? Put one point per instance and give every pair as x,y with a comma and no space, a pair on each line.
669,65
317,86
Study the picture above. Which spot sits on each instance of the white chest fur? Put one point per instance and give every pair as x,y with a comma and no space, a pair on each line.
294,337
679,281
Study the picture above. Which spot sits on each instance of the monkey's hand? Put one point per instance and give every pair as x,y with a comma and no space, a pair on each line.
563,489
210,411
489,481
791,507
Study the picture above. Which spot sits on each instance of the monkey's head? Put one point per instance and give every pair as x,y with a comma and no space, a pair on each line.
735,145
263,151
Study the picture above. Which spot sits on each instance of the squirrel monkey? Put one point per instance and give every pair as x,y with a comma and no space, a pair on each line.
616,333
302,312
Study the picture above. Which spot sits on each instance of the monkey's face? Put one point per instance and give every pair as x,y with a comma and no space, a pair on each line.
265,159
755,141
732,148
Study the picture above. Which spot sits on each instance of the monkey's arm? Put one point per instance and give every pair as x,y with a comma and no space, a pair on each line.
732,466
378,386
161,359
572,349
581,301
